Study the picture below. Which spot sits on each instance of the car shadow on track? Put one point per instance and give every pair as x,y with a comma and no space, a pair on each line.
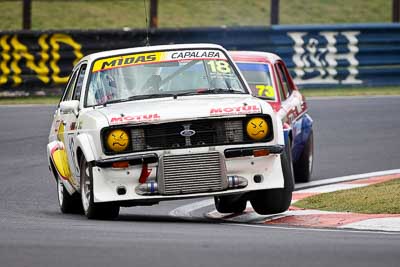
46,214
162,218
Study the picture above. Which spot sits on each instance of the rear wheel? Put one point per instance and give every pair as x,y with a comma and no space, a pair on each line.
276,200
230,204
68,203
303,167
102,211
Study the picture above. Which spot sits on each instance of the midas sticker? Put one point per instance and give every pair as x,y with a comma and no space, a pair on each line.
265,91
127,60
151,57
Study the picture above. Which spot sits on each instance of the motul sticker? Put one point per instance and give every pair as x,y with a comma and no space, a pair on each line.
135,118
235,110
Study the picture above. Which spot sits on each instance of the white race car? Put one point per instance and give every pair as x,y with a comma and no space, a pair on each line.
141,125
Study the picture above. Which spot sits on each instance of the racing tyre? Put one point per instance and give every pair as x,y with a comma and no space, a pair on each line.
276,200
101,211
230,204
303,167
68,203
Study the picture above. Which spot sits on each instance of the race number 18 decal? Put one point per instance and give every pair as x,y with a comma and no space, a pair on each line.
219,66
265,91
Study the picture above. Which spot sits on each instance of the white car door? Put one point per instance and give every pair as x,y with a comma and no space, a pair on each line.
68,121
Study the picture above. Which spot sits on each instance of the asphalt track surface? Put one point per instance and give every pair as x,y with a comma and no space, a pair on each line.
354,135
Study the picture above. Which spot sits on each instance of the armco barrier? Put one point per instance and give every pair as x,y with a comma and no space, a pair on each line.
319,56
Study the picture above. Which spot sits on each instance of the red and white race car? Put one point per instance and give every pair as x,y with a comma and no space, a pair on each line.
269,79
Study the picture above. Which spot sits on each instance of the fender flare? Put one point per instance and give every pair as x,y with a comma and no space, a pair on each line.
280,132
305,124
54,167
85,147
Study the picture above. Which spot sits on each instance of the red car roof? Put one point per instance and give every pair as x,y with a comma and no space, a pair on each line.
253,56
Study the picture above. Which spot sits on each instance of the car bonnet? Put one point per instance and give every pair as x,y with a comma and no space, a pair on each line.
182,108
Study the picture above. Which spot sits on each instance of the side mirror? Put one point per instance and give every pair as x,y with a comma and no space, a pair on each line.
70,106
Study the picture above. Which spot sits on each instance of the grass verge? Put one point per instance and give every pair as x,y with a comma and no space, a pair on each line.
29,100
382,198
97,14
357,91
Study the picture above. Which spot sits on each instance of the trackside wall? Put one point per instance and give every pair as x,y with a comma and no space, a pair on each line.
318,56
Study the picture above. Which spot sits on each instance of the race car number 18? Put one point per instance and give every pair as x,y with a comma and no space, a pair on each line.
219,66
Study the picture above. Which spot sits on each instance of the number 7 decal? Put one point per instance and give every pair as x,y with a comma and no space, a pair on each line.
266,90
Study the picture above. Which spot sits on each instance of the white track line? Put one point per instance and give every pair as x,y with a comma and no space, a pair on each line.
378,224
357,97
188,209
313,229
27,105
345,178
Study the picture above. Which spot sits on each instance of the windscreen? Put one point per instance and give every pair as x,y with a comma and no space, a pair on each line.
161,74
259,78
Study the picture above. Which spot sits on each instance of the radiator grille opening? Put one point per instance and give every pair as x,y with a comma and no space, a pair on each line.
171,135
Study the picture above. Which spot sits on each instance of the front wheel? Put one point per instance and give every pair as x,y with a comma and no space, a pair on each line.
68,203
276,200
102,211
303,167
230,204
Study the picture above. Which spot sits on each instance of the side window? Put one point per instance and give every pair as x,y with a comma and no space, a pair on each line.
285,80
282,89
79,82
70,87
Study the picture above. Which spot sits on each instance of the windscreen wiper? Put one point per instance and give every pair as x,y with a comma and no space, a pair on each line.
113,102
223,91
140,97
211,91
189,93
137,97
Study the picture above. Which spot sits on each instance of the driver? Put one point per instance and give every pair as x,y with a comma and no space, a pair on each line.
102,88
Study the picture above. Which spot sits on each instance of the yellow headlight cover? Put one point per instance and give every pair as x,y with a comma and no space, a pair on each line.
257,128
118,140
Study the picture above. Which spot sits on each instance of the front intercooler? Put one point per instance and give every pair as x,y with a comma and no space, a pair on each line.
192,173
